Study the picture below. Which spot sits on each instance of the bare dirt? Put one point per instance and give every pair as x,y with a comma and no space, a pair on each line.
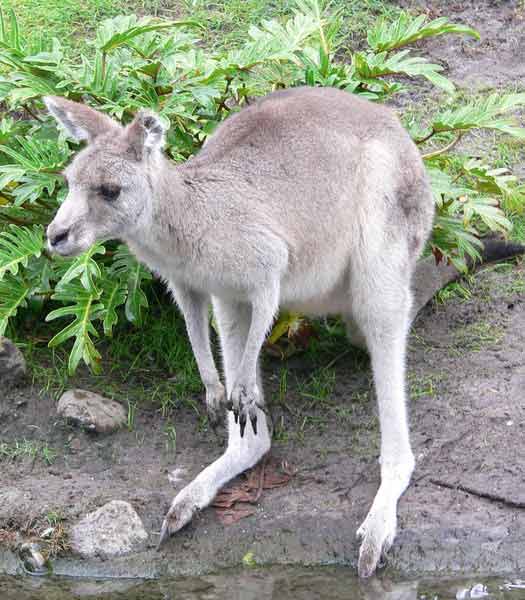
465,509
497,59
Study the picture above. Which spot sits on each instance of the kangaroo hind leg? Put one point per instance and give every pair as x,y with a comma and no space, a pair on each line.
381,301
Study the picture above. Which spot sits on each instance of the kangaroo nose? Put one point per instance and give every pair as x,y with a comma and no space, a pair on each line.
56,238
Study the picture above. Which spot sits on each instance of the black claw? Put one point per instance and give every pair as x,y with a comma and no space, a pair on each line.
236,415
164,535
254,424
229,405
242,423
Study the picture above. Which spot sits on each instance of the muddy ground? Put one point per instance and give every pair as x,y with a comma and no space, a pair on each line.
496,60
465,509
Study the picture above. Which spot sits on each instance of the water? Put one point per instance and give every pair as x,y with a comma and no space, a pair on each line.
262,584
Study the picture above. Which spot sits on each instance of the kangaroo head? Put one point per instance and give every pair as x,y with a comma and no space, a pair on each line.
109,181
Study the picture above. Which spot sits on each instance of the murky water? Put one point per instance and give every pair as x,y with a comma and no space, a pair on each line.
262,584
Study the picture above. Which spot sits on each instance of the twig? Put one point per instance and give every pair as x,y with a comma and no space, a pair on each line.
427,137
444,149
336,359
470,490
222,103
261,481
34,115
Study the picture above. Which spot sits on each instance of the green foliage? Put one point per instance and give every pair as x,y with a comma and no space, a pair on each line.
146,62
485,113
17,246
406,30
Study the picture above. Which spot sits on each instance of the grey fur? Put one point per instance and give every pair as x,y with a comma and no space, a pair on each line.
310,199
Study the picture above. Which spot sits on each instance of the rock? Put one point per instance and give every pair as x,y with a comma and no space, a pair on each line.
12,362
75,445
114,529
33,560
91,411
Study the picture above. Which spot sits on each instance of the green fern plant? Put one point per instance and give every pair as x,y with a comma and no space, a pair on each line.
146,62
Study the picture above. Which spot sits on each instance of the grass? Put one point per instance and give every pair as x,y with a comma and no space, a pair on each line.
477,336
67,20
422,386
150,366
27,449
225,22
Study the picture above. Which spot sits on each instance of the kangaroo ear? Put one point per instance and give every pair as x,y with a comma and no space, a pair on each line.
145,134
79,120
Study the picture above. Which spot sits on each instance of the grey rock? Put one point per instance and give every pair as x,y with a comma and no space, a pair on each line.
113,530
91,411
12,362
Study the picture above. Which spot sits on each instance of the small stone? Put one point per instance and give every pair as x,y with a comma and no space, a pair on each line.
12,363
47,533
75,445
33,560
115,529
91,411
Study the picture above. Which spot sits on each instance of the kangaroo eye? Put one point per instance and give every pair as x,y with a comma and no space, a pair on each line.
109,192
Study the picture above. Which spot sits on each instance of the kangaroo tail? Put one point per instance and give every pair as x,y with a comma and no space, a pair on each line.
430,277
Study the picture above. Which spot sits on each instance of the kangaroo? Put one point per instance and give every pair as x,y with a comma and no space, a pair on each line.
311,199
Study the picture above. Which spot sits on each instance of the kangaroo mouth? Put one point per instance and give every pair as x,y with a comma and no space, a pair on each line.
67,247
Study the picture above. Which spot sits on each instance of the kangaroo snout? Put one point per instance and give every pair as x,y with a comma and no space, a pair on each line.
56,236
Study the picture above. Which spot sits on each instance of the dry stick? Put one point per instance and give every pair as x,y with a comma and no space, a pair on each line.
427,137
34,115
470,490
444,149
337,358
261,480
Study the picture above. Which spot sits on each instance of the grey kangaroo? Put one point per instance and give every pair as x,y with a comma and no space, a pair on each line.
310,199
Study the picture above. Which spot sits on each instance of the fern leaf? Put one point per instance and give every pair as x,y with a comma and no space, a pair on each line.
407,29
114,294
14,292
380,65
18,245
483,114
121,30
85,268
84,308
126,266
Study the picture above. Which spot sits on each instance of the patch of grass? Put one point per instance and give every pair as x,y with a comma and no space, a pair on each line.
27,449
225,22
68,20
518,232
319,387
477,336
170,434
58,543
151,366
54,518
422,386
456,290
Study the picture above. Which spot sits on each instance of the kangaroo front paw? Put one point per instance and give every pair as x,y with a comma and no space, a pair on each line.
180,514
244,401
215,399
377,534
